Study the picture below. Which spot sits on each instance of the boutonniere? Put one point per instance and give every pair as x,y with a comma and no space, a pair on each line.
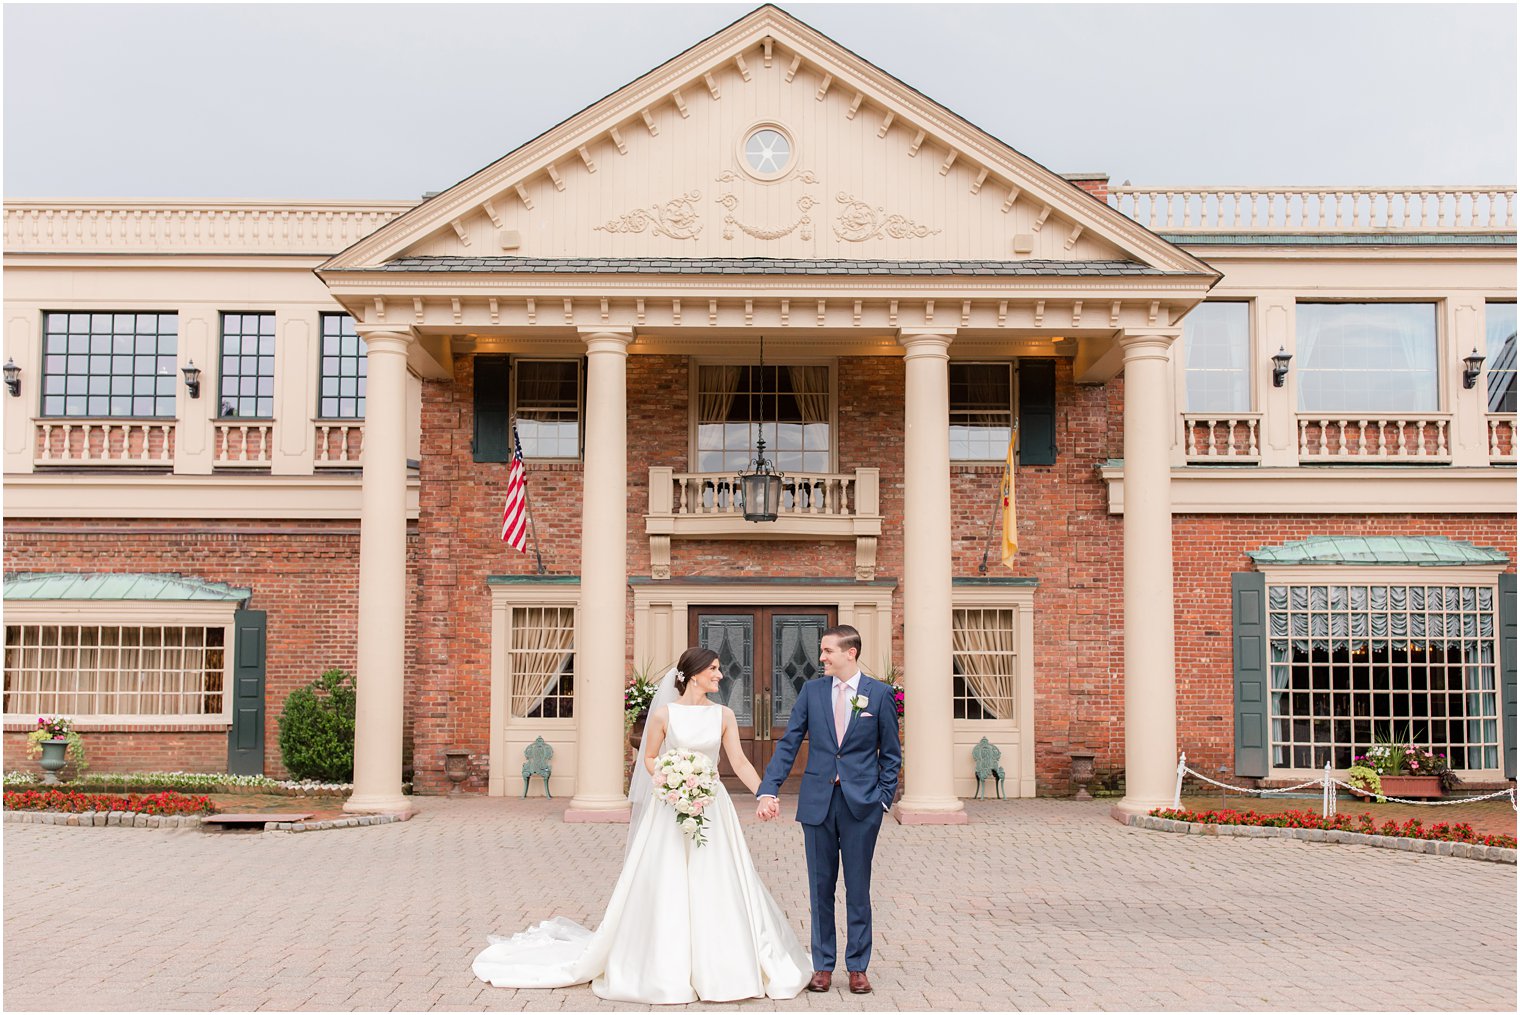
858,705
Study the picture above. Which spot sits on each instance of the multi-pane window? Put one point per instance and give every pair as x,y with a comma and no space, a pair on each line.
1367,357
981,411
109,364
247,369
1216,341
112,670
1353,664
546,398
787,405
542,662
985,663
345,366
1500,355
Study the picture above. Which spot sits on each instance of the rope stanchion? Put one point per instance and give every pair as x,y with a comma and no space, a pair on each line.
1326,784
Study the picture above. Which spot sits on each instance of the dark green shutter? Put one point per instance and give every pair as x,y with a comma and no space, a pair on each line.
1037,412
1507,668
245,741
493,407
1248,597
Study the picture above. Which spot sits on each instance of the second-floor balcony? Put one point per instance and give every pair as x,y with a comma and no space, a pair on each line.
157,443
698,505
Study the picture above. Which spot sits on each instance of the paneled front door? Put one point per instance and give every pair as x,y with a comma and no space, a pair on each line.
780,644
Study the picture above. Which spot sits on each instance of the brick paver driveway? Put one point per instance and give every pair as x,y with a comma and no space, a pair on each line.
1037,905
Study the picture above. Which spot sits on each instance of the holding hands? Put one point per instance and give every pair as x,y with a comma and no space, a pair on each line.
768,808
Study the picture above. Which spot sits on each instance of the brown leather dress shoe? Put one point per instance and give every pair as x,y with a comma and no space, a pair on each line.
821,981
859,984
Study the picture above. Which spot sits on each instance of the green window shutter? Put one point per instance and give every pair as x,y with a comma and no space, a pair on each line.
1507,668
1037,412
1248,597
245,740
493,409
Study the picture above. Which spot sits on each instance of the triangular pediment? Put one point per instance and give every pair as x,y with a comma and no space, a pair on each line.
872,170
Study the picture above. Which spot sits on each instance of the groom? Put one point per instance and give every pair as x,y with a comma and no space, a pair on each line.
850,722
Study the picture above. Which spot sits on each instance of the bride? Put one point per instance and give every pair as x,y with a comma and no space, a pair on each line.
685,922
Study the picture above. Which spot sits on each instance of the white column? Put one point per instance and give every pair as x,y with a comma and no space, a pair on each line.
1150,676
382,579
601,626
929,793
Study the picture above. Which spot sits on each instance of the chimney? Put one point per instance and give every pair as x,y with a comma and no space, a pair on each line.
1095,184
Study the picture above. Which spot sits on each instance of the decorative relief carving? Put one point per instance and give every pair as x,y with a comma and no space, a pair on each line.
803,226
858,222
677,218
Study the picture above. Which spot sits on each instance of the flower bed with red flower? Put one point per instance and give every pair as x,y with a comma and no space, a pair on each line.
1364,824
135,803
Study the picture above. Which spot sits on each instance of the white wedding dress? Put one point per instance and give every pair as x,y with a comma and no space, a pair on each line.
685,922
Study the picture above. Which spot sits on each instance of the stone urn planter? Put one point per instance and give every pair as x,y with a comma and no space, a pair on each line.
1412,787
54,757
456,765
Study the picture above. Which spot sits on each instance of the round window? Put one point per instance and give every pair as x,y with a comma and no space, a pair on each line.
767,152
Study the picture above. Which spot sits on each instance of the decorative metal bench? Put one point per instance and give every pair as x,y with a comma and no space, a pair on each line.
987,757
536,762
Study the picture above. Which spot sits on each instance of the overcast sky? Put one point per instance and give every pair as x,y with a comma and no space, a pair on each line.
388,101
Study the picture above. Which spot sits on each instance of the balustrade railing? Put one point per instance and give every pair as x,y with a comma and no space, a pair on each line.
186,226
1323,437
104,442
1501,437
338,444
1223,438
241,444
832,494
1474,209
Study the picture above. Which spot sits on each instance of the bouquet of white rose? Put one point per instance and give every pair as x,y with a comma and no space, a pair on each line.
686,781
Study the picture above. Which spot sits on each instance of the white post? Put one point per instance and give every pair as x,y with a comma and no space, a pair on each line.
1327,802
1177,790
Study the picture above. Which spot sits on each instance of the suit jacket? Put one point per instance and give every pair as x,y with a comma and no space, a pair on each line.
867,761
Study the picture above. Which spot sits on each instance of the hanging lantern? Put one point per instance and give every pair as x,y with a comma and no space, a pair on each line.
761,484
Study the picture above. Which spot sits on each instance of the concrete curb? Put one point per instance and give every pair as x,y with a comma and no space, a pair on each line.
1434,847
129,819
103,819
359,821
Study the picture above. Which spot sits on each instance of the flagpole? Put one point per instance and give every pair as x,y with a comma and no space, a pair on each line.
528,500
997,509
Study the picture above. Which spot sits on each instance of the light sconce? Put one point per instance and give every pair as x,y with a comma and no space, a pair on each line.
192,379
13,377
1280,366
1472,369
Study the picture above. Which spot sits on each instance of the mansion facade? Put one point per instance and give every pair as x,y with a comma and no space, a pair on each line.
1265,477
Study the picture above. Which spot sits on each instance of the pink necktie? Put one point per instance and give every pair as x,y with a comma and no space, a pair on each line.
841,710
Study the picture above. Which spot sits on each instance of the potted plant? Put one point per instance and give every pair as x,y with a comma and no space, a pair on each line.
1405,770
58,743
637,695
892,676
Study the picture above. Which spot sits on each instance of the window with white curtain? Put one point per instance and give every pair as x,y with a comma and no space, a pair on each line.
1367,357
788,405
87,671
1499,356
985,662
1357,662
542,661
1216,341
981,411
546,403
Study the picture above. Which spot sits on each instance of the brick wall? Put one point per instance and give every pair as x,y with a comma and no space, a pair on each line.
305,574
1207,549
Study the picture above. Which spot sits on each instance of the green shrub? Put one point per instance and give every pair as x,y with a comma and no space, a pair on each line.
317,729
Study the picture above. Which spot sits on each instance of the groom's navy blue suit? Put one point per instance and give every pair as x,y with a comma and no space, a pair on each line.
840,820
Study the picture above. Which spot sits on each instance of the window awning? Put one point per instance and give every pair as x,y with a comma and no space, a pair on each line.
1425,551
118,587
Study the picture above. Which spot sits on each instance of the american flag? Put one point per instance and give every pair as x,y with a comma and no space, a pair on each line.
514,516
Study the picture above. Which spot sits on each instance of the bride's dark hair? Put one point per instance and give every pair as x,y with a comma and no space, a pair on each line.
693,661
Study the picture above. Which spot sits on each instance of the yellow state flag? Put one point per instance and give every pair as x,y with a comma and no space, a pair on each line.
1010,517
